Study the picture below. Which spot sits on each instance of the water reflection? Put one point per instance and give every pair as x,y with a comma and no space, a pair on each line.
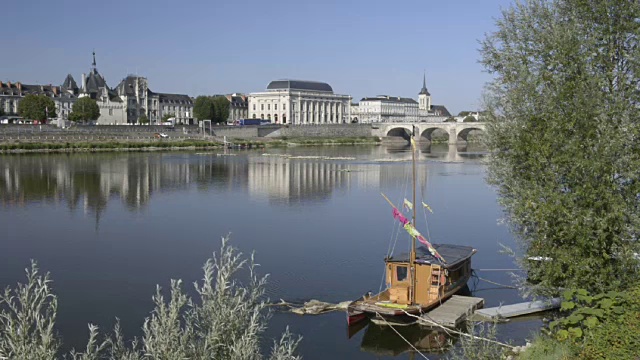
382,340
90,181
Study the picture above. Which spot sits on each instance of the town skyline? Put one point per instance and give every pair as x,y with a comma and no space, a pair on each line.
359,48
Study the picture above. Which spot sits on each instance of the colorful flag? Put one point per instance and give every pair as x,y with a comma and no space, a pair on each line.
408,205
427,207
398,215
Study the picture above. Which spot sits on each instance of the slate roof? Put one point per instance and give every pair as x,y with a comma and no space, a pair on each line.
19,89
95,81
127,86
69,83
299,85
174,98
440,110
237,100
390,99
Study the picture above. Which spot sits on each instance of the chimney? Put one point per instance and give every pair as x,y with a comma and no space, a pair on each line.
84,82
9,84
1,84
19,84
55,90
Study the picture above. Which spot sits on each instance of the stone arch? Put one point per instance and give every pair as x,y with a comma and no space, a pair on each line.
427,133
401,131
464,133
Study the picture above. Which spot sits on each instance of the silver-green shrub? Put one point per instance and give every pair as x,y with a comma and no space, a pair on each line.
226,321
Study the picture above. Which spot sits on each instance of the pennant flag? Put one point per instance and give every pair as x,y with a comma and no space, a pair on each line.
408,205
414,233
398,215
427,207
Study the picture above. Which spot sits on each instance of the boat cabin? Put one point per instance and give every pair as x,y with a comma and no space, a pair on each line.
433,278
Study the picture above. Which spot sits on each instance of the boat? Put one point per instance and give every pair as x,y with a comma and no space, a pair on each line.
418,281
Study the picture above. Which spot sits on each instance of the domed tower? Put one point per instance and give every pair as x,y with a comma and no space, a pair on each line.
424,98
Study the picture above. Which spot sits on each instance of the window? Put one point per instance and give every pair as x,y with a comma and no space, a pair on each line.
401,273
268,106
275,106
254,116
110,111
254,107
284,106
261,116
261,106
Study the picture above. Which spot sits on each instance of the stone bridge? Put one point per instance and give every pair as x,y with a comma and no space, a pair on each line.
458,132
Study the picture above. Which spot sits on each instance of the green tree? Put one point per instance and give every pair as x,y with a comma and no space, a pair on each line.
166,117
563,125
37,107
85,109
220,109
143,119
450,119
469,118
203,108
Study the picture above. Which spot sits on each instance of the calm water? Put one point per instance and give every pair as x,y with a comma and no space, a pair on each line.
109,227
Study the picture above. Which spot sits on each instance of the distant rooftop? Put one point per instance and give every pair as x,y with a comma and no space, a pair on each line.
299,85
387,98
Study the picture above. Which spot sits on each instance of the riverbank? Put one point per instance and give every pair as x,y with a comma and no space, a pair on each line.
27,146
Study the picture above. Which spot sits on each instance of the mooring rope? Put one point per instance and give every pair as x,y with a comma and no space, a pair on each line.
402,337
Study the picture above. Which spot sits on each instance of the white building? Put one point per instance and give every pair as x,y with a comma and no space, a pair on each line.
384,108
299,102
238,107
112,108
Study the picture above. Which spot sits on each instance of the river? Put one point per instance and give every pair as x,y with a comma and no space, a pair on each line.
110,226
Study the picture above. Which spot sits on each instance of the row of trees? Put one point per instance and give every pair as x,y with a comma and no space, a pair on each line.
41,107
214,108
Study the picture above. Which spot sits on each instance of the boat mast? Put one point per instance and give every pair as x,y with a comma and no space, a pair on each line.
412,256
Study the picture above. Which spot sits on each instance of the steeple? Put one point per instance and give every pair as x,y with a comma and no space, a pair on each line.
93,64
424,90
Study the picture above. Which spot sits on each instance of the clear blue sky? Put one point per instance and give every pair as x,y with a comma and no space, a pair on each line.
361,48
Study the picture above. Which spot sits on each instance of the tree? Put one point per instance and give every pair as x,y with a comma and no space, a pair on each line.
143,119
203,108
469,118
37,107
450,119
563,125
166,117
220,109
85,109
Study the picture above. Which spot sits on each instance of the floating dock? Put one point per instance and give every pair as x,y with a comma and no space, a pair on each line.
509,311
454,311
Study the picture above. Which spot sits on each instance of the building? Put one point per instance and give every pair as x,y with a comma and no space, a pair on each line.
238,107
123,104
384,108
112,108
299,102
12,93
140,100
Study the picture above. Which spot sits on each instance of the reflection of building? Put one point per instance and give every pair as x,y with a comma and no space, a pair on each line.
384,108
299,102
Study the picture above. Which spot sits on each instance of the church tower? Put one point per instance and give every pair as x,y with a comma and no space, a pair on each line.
424,98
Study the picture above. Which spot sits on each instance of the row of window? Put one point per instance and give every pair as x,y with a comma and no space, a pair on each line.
275,107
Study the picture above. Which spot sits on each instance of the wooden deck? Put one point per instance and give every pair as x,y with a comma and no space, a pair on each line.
508,311
454,311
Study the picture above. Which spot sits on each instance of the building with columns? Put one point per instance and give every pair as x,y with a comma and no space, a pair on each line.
299,102
384,108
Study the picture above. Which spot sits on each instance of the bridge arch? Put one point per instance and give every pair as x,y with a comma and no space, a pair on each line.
427,133
464,133
400,131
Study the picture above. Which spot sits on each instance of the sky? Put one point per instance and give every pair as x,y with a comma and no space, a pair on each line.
200,47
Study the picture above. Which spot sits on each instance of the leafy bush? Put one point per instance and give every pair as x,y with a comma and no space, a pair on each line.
225,322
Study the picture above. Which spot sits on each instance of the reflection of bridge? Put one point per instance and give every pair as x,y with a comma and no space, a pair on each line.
458,132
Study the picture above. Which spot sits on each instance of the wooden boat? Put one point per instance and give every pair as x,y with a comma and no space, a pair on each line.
417,281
